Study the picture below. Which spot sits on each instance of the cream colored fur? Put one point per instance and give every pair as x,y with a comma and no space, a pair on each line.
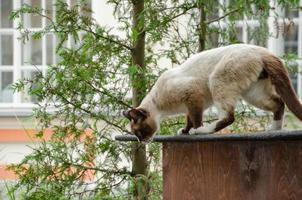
218,77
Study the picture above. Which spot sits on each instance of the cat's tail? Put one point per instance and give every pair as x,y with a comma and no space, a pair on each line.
280,79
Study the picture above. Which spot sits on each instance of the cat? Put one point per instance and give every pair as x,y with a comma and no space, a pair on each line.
218,77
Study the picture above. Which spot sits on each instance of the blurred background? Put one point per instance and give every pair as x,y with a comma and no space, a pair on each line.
19,60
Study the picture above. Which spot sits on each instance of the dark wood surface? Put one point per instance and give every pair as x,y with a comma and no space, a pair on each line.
233,170
259,136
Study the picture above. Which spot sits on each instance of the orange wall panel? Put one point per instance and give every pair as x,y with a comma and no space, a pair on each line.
21,135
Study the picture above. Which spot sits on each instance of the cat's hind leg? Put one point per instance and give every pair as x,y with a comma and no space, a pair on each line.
278,112
262,95
276,106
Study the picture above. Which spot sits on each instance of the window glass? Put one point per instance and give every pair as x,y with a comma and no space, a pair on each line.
32,52
239,34
6,50
291,39
235,34
28,75
32,20
291,12
232,4
86,8
257,36
64,45
293,67
6,92
213,37
49,11
75,44
6,7
73,3
50,49
213,10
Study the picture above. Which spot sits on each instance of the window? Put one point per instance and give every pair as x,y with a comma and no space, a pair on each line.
7,52
291,39
19,60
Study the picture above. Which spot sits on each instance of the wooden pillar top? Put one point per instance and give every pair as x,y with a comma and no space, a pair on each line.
257,136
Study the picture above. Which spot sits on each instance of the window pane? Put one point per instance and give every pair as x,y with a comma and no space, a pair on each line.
6,92
235,34
213,8
63,45
291,12
50,49
239,34
291,40
257,36
73,3
49,11
32,20
232,4
28,75
6,52
293,69
86,8
76,44
32,52
6,7
213,38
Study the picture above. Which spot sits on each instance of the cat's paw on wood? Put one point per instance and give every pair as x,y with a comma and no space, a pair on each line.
179,132
182,131
276,125
201,131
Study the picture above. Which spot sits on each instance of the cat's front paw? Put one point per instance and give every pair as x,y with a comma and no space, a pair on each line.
192,131
182,132
200,131
269,128
276,125
179,132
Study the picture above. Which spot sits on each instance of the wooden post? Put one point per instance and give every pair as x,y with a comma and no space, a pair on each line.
262,166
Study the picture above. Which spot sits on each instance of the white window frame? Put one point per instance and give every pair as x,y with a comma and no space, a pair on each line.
17,107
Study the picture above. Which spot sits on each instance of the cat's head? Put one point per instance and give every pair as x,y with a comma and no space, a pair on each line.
143,126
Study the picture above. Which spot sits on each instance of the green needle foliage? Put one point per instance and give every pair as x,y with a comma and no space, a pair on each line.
81,97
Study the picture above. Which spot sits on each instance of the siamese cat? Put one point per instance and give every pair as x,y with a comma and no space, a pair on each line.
218,77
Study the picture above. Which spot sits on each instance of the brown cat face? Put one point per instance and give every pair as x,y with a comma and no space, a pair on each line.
142,126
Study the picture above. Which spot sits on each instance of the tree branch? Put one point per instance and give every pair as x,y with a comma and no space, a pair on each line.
95,115
90,31
118,42
107,93
225,15
176,16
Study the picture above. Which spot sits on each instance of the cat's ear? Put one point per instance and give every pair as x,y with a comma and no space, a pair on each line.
136,114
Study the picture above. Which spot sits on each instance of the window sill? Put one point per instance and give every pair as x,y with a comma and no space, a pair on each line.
8,110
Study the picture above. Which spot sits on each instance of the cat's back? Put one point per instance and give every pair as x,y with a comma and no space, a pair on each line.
202,64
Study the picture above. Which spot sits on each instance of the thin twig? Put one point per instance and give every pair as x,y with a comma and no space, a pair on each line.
223,16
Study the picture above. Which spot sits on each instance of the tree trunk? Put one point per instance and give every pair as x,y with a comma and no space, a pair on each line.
202,30
139,159
138,52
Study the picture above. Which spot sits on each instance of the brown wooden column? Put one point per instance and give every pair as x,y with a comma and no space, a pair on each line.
261,166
